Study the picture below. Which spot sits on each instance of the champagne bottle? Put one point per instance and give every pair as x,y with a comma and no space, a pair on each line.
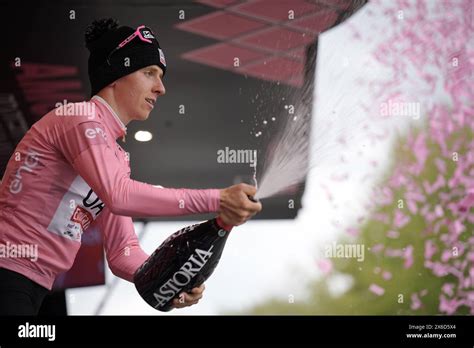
183,261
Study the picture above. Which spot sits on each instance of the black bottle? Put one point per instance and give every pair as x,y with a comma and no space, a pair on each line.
183,261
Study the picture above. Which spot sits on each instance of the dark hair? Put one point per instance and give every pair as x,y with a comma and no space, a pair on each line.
98,28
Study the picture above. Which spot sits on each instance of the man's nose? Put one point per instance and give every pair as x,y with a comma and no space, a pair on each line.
160,88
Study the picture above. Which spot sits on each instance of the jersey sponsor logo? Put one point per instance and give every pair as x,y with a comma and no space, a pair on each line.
95,205
77,210
31,161
92,133
82,217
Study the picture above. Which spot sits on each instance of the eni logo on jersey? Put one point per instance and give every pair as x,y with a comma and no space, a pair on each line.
31,161
91,133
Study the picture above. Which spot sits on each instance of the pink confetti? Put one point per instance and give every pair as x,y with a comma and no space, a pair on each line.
430,249
430,49
467,202
386,275
377,290
415,302
448,288
393,234
412,207
400,219
448,306
377,248
325,266
408,256
394,252
439,211
353,231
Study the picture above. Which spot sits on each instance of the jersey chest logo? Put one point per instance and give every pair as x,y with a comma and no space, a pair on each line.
78,209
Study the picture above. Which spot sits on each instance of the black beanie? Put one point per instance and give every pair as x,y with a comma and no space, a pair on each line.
107,62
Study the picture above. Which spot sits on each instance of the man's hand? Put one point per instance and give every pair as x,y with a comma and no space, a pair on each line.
188,299
235,206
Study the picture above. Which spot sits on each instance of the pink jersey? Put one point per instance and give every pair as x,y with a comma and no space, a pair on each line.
68,173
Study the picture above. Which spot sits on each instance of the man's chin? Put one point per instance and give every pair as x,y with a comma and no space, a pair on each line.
143,117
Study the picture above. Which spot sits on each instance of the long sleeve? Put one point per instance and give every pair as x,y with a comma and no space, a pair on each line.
98,160
122,248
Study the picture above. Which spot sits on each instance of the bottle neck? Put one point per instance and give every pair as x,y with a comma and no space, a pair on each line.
223,225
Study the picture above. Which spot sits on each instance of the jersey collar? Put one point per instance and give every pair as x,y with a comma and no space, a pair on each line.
111,118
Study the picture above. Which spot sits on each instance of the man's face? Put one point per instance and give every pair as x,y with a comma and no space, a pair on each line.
137,93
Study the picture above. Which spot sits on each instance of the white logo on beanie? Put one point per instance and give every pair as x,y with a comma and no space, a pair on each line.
162,57
147,34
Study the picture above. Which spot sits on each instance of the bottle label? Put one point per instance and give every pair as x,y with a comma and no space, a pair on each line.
182,277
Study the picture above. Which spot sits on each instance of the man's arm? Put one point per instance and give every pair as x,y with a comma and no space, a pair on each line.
123,252
96,162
